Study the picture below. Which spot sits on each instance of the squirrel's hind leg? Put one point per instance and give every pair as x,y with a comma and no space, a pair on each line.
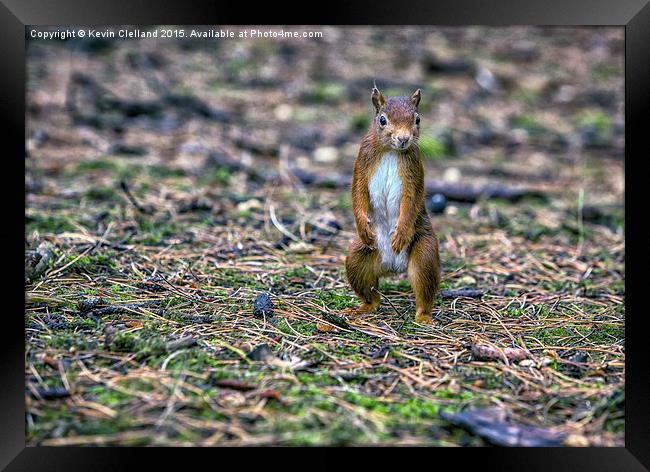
362,269
424,275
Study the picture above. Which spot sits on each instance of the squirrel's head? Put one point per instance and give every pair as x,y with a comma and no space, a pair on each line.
396,122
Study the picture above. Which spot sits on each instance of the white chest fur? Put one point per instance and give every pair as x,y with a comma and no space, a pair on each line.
385,188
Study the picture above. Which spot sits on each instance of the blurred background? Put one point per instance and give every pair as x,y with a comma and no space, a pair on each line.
539,107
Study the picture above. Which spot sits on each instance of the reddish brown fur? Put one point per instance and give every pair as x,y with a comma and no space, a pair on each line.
414,230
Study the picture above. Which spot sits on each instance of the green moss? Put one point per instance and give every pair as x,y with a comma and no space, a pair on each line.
236,278
410,409
529,228
236,65
338,434
488,378
559,286
101,164
528,96
64,340
328,93
336,300
320,378
305,329
101,193
120,169
348,351
453,395
529,123
416,408
48,224
217,175
606,70
161,172
616,288
553,336
387,286
359,122
199,360
614,408
513,312
124,342
145,344
157,231
433,90
345,202
597,124
605,334
366,402
106,396
93,263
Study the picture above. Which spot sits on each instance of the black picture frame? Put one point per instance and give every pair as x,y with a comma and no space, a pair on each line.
633,15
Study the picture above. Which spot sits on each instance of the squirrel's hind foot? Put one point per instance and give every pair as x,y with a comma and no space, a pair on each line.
362,310
423,318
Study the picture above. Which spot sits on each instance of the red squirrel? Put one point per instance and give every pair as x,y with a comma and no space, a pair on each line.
395,234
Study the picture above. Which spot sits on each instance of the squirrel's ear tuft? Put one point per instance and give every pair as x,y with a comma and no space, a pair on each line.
378,99
415,98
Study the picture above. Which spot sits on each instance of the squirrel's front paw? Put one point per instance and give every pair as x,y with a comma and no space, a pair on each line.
367,236
397,242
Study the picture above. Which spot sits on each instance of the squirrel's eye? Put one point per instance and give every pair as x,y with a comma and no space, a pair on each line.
382,120
417,120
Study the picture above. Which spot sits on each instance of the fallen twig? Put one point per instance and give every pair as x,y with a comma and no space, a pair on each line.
491,425
125,187
461,293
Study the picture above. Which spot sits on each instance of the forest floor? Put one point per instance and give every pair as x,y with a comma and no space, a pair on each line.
159,219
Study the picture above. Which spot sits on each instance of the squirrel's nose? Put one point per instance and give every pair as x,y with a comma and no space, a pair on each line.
402,140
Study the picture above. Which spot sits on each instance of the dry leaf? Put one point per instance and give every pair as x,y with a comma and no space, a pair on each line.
483,352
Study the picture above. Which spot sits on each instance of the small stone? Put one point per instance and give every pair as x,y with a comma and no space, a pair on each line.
248,205
467,280
283,112
452,174
326,155
193,147
263,306
438,203
302,162
300,247
527,363
565,94
546,361
38,139
485,79
576,440
261,353
519,136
